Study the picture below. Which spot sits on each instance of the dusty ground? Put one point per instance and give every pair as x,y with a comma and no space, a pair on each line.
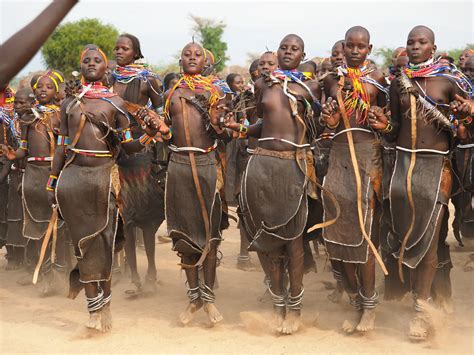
31,324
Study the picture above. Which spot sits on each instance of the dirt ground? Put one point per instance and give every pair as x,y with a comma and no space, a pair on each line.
32,324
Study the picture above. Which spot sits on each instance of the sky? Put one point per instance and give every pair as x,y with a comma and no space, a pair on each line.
164,27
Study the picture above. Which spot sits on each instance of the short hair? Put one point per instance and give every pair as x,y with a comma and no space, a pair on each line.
298,38
340,42
135,44
167,80
426,29
358,29
27,92
230,78
254,65
308,64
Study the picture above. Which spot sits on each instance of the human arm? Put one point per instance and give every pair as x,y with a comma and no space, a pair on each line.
6,167
59,157
24,44
21,152
155,92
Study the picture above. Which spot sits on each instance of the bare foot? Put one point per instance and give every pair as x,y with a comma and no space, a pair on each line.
245,265
366,321
150,282
106,318
27,280
278,318
469,265
349,325
212,313
94,321
328,285
292,322
419,327
150,286
188,314
336,295
49,286
12,265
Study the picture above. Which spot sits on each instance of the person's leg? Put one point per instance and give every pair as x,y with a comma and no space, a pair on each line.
131,254
106,313
276,288
194,294
367,293
296,256
94,298
149,241
207,289
422,282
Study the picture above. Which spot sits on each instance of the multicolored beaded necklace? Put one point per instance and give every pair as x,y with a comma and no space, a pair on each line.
194,83
128,73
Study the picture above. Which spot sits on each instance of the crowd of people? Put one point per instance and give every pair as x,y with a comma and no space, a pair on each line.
362,162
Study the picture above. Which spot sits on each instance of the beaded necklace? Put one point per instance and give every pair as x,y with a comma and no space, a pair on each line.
434,68
128,73
194,83
357,100
96,90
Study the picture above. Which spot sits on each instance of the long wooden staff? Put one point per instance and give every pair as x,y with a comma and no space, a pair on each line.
52,227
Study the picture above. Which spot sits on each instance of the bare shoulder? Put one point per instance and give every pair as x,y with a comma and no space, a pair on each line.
330,80
378,76
118,101
259,84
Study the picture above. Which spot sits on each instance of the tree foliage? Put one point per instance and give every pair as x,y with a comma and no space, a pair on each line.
209,32
385,56
455,53
63,49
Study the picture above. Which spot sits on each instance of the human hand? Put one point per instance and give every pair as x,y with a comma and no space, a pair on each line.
377,118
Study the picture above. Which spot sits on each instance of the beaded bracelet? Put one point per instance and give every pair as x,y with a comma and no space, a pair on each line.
243,130
126,136
51,184
145,139
63,140
387,128
168,136
467,121
24,144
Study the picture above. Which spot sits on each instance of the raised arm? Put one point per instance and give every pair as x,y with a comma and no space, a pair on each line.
17,51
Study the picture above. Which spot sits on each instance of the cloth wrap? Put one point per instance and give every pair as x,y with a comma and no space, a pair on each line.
15,211
344,239
431,187
36,208
140,191
3,207
87,204
464,158
274,197
182,209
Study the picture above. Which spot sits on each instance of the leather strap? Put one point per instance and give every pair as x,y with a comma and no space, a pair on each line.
357,175
82,123
409,187
197,184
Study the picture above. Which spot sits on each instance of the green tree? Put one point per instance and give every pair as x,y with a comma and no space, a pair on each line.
455,53
385,55
209,32
63,49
